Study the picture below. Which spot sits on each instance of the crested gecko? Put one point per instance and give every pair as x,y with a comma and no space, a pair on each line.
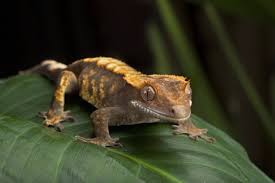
122,96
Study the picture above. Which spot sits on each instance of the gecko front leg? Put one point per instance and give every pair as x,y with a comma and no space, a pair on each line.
101,120
187,127
67,83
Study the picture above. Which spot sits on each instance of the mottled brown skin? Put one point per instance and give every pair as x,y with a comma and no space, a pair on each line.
122,96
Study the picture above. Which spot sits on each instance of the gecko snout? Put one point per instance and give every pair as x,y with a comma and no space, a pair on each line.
180,111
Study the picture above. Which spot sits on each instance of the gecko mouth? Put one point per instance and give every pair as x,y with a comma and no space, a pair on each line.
155,113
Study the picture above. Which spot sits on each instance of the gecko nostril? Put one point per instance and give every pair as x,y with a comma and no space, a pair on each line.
173,111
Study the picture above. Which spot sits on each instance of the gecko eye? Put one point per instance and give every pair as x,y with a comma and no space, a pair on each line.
148,93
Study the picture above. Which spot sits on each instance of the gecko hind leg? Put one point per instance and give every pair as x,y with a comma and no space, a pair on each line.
67,83
187,127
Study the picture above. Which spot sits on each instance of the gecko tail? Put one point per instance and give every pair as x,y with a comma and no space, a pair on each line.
49,68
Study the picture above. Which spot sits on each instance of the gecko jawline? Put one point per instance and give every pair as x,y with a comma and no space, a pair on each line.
158,114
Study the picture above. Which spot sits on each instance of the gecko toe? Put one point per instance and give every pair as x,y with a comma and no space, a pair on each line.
59,127
66,116
175,127
208,139
42,114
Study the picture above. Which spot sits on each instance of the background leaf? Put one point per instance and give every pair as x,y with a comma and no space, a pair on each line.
259,9
159,50
32,153
233,59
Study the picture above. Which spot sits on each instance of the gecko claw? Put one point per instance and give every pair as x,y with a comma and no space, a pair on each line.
68,117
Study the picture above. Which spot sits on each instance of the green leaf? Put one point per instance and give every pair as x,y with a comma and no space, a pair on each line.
33,153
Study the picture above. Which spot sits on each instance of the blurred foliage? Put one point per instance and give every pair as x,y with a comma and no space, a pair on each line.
263,10
205,101
272,94
233,59
159,50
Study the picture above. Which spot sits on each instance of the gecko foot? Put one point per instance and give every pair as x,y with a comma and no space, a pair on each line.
104,142
192,131
54,120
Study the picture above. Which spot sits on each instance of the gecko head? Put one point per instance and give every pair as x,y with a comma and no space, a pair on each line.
165,97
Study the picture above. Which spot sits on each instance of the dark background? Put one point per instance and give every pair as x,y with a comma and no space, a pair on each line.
66,31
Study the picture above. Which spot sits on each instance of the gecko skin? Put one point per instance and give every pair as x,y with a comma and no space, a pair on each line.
122,96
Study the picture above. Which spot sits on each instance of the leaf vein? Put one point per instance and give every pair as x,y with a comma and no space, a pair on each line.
13,144
60,160
148,166
23,102
224,172
16,86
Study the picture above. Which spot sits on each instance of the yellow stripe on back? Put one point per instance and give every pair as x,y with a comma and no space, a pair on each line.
113,65
130,75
